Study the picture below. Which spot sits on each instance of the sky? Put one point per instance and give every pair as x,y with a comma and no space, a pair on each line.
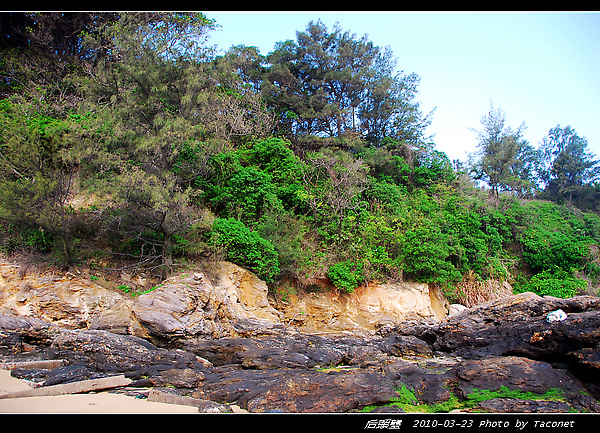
540,68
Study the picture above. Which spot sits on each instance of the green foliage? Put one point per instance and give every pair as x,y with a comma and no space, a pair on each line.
246,248
248,193
557,282
408,401
477,396
346,275
167,138
557,237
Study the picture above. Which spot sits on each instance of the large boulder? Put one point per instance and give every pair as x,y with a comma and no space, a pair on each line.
296,390
519,325
194,306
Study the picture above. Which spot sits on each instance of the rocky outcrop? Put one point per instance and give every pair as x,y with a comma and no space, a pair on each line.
186,305
193,306
518,326
229,302
367,308
218,342
67,300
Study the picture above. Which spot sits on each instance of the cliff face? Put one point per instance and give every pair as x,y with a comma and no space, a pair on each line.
229,302
369,307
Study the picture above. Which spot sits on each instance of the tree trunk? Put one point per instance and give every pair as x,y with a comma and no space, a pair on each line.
167,254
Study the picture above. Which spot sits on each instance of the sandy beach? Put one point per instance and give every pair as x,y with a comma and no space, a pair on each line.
101,402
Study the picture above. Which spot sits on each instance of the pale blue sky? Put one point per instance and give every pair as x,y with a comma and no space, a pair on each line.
540,68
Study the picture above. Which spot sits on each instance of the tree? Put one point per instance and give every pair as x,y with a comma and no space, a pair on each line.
505,158
333,182
36,173
569,169
330,85
146,142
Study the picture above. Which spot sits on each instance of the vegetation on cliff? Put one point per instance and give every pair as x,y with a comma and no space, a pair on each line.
126,135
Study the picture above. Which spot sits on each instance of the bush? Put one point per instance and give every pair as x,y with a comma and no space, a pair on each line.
246,248
346,275
556,237
558,283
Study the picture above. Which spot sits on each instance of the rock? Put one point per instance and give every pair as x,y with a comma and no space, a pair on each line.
334,392
515,405
516,326
64,301
292,350
369,307
191,306
235,303
230,302
431,380
69,373
455,309
24,339
515,373
296,390
409,345
108,352
182,377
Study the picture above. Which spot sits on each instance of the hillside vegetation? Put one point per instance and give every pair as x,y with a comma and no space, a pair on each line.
125,136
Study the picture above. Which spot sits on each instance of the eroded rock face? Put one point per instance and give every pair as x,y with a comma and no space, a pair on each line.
186,305
367,308
192,306
66,300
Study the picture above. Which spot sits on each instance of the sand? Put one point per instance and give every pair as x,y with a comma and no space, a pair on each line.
101,402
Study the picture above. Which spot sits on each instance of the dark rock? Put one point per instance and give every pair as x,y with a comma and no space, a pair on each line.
69,373
388,409
516,326
514,405
297,390
108,352
22,334
311,391
294,350
37,375
182,378
523,375
407,345
515,373
430,380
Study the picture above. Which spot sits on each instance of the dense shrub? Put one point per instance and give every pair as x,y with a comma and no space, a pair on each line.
246,248
558,283
346,275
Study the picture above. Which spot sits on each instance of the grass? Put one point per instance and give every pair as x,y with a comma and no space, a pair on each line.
129,290
408,401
